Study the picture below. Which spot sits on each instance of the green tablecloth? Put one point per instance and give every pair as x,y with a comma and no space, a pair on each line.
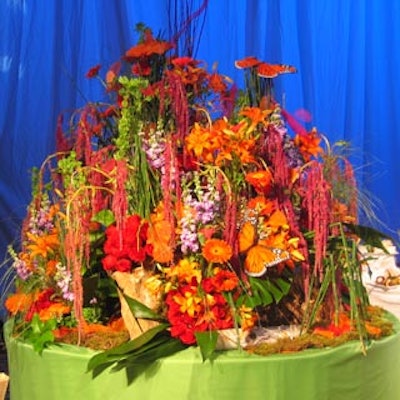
341,373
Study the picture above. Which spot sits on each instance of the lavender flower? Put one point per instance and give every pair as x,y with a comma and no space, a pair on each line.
154,147
201,207
21,269
40,221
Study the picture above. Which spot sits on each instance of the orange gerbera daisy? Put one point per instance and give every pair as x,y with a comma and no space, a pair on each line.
149,46
217,251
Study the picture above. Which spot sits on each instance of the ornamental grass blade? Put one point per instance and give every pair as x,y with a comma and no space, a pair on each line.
207,342
370,235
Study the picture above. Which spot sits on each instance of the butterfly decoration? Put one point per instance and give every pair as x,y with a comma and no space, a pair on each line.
260,254
265,70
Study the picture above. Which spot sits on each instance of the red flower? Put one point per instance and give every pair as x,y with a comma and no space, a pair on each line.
225,281
109,262
184,61
123,265
43,301
141,69
93,72
122,247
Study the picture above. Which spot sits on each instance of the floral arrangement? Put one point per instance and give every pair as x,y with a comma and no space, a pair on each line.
191,204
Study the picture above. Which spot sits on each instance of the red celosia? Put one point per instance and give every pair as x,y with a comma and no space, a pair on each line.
125,246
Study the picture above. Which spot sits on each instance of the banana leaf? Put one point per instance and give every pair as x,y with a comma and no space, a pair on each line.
137,354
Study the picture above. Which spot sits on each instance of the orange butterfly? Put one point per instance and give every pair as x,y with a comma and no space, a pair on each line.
259,256
266,70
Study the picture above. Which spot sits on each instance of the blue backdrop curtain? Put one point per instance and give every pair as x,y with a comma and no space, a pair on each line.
347,55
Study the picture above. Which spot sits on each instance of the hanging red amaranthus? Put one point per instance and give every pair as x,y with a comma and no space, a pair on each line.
77,247
318,205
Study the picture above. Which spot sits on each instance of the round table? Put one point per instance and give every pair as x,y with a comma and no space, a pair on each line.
344,373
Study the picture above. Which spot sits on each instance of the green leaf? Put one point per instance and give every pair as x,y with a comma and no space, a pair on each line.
40,333
136,365
207,342
136,355
276,291
118,352
139,310
259,286
164,345
40,342
104,217
284,285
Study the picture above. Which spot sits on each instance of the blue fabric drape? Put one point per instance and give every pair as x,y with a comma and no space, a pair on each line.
346,53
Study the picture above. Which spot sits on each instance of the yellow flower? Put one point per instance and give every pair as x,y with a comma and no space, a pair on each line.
189,303
185,271
247,317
